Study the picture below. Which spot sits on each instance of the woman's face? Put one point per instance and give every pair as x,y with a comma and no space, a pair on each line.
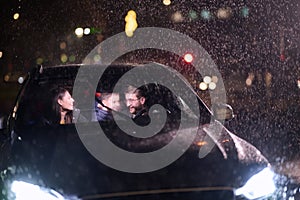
66,102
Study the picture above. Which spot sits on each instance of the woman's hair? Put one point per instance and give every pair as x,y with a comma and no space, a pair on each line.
59,93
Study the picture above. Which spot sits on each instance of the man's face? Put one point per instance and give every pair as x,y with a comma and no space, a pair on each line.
134,103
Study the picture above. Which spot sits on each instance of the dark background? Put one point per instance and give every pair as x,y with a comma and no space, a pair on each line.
266,41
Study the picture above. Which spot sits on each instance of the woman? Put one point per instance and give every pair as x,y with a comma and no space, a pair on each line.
62,105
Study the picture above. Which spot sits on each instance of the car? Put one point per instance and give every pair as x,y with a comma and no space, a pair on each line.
188,153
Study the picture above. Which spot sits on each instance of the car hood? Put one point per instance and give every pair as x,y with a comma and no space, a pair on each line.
55,157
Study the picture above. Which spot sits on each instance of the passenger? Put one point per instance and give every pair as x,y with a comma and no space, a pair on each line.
136,103
63,110
105,104
62,106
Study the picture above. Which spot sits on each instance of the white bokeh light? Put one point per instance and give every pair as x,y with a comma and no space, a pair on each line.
87,31
212,85
79,32
203,86
207,79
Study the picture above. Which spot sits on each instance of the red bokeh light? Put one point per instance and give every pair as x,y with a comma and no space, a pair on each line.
188,57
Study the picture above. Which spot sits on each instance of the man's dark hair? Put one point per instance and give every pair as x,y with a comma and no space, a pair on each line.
140,91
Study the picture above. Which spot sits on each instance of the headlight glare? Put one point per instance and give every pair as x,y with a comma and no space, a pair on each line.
259,185
25,191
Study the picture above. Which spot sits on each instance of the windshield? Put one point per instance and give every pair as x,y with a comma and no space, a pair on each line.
36,110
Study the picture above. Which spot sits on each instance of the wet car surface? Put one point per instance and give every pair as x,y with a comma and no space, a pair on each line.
60,156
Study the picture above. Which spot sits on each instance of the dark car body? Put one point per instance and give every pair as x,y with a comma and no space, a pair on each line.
56,156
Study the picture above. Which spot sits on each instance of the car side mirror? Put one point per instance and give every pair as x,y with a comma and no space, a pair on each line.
222,112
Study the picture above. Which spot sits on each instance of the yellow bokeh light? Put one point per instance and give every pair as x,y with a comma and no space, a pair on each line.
1,54
268,78
201,143
166,2
131,23
131,13
6,78
63,58
250,79
248,82
79,32
16,16
39,61
203,86
226,140
177,17
129,33
97,58
224,13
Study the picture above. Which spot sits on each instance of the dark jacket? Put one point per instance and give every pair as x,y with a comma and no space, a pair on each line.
142,118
